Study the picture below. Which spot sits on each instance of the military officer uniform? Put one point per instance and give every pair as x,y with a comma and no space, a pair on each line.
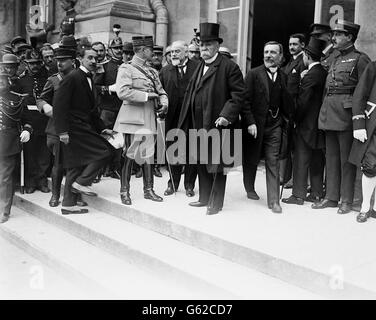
335,119
12,123
37,155
137,117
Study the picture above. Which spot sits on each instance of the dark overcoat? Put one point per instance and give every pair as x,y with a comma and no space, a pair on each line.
255,110
75,112
170,82
308,106
220,93
293,69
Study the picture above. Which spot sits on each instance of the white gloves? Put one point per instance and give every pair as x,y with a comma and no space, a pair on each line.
360,134
47,109
112,88
25,136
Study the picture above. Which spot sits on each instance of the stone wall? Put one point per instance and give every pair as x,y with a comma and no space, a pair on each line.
7,20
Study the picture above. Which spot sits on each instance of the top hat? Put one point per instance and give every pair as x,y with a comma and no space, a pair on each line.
16,40
319,28
347,27
143,41
63,53
9,58
209,32
127,47
68,42
33,55
315,47
158,49
116,43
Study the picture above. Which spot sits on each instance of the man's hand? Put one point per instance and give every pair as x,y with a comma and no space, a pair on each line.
47,109
252,130
64,138
223,122
25,136
360,135
152,95
108,132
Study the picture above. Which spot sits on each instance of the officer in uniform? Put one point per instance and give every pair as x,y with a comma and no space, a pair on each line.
144,99
335,117
109,103
9,65
37,155
14,130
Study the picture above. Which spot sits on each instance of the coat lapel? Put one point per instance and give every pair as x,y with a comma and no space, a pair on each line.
85,84
211,71
265,82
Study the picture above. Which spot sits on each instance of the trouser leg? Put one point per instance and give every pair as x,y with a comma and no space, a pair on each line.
190,174
302,157
90,172
316,171
368,187
333,166
70,198
7,183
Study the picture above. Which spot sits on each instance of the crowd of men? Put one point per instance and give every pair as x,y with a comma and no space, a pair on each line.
62,106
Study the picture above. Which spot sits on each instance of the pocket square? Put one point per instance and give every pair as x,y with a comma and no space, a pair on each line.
293,71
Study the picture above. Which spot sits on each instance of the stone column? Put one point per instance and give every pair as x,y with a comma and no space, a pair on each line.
365,12
134,16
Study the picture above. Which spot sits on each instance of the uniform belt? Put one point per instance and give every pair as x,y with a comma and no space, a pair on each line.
340,91
4,127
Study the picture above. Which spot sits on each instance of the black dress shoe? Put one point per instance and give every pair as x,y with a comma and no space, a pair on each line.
44,189
169,191
81,203
325,203
151,195
198,204
363,216
139,173
253,195
212,211
157,172
276,208
74,211
97,180
189,193
312,198
54,201
125,198
293,200
344,208
30,190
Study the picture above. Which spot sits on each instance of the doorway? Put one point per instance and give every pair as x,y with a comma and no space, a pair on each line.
277,20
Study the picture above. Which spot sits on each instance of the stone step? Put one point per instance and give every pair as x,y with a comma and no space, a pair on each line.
316,250
97,273
208,275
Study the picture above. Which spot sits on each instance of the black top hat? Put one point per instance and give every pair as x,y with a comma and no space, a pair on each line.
319,28
33,55
347,26
209,32
127,47
63,53
315,47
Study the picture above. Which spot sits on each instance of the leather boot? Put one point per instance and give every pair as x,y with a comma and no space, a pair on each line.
125,178
147,174
56,177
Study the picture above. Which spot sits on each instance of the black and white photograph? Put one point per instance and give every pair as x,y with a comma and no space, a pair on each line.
203,151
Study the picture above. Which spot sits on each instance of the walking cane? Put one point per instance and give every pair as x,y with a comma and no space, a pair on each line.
159,121
22,182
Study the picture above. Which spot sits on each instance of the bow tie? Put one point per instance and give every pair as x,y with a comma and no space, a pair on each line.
89,75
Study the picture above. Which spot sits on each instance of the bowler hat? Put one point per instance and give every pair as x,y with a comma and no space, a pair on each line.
116,43
142,41
315,47
347,27
209,32
127,47
319,28
16,40
9,59
63,53
68,42
33,55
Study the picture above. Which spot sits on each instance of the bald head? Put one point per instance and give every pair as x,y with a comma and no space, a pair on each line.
179,52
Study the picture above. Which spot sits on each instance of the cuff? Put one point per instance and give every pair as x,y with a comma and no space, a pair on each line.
359,122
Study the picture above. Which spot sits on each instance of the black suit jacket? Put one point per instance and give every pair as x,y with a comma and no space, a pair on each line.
169,80
293,69
308,106
256,106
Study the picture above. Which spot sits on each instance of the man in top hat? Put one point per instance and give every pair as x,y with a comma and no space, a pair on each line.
309,140
15,129
336,117
65,63
213,101
109,103
267,106
77,123
193,52
37,155
324,32
175,79
128,52
144,99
